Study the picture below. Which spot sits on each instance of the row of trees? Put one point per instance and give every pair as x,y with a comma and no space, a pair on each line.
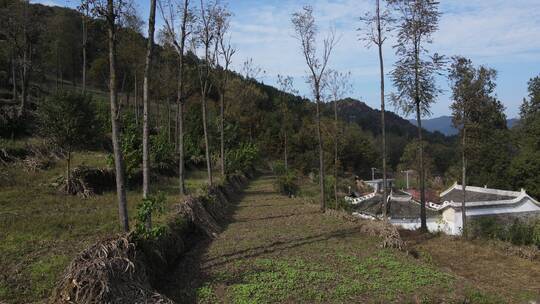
174,79
186,74
413,74
486,151
208,31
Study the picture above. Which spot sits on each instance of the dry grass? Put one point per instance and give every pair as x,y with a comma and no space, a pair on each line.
41,230
484,264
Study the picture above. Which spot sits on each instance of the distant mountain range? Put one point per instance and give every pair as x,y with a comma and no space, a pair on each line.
444,125
352,110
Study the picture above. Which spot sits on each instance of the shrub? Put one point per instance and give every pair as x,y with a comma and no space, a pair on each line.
131,144
12,126
518,233
278,167
286,184
193,151
242,158
145,210
536,233
162,152
487,227
69,120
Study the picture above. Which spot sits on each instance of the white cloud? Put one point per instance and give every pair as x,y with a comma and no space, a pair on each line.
47,2
498,33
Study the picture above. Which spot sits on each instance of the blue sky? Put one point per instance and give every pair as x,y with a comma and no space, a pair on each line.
502,34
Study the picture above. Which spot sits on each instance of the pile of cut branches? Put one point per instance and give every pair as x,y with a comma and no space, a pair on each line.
383,229
193,210
107,272
86,182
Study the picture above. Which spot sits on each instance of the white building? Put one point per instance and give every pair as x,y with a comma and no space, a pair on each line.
377,184
479,202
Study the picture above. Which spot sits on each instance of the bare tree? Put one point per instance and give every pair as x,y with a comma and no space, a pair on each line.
251,71
206,35
338,84
249,92
286,87
178,40
112,11
223,49
374,31
146,93
306,32
414,72
84,9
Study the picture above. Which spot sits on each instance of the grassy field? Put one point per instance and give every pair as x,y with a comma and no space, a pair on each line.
281,250
41,230
273,249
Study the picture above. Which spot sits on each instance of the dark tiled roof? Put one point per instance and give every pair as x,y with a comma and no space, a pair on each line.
456,195
431,196
408,210
399,210
371,206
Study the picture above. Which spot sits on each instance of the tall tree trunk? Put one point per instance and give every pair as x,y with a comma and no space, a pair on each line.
422,173
464,184
136,100
84,45
285,152
181,165
115,120
26,63
147,70
169,134
25,77
176,133
61,77
180,100
158,114
383,122
57,66
222,130
68,172
14,78
128,99
321,152
206,140
336,156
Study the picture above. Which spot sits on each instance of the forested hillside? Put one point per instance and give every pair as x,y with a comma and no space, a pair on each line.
253,110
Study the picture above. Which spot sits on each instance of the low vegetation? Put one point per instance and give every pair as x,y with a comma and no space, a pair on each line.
43,230
519,232
277,250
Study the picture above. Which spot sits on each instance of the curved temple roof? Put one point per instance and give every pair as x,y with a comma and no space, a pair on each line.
482,197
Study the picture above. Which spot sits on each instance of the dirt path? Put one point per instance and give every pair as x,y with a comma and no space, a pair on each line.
275,249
